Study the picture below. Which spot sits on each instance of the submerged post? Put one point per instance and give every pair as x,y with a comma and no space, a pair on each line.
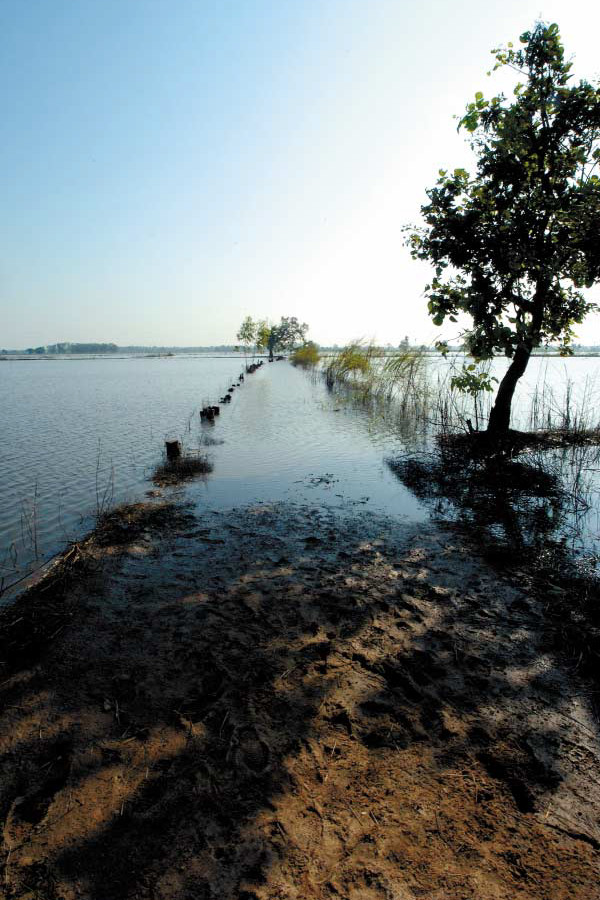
173,449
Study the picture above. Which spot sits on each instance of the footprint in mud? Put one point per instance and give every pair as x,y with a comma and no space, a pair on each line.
476,664
424,669
397,679
395,676
476,672
505,771
406,604
33,806
432,721
316,650
211,688
388,711
440,639
378,706
479,736
341,717
520,605
249,752
383,738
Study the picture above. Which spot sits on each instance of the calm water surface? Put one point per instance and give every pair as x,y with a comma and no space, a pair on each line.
78,434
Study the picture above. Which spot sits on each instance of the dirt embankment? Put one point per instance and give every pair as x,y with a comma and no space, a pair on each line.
284,702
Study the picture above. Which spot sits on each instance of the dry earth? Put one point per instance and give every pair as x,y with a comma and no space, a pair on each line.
287,702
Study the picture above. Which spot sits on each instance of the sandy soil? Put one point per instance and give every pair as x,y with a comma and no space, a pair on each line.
287,702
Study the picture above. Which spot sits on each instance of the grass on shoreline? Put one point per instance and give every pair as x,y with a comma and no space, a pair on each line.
174,471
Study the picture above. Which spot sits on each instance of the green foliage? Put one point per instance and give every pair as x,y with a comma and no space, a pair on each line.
247,333
274,338
306,356
399,380
515,245
351,362
286,335
263,331
472,382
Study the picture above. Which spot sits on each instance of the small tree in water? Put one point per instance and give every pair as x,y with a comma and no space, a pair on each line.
515,245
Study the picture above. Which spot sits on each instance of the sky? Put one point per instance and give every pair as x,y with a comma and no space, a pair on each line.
168,167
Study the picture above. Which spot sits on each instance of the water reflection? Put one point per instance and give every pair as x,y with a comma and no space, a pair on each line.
78,435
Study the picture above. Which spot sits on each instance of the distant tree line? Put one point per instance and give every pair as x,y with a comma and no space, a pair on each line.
67,347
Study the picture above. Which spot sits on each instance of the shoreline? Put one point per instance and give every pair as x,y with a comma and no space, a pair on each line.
285,701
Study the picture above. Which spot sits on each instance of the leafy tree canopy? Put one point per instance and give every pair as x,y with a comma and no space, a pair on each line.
286,334
263,330
514,245
247,333
274,338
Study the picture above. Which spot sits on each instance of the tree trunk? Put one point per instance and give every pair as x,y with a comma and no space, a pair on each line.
499,421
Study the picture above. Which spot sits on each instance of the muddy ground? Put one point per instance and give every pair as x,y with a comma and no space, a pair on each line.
291,702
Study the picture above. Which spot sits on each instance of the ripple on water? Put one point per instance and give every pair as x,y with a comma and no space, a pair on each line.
76,433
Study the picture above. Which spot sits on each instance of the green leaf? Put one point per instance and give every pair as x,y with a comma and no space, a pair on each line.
514,222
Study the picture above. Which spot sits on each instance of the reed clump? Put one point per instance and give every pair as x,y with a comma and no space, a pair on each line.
352,365
174,471
397,379
306,357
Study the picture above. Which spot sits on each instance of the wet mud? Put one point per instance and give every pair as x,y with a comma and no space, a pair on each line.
287,701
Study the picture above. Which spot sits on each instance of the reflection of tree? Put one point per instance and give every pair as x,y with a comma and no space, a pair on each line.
513,504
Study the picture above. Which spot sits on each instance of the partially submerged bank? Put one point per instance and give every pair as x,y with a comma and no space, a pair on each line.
288,701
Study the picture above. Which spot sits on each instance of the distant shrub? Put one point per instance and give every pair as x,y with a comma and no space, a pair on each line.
306,356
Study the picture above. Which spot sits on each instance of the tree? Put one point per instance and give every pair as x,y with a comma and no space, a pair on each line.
286,335
263,331
247,333
515,245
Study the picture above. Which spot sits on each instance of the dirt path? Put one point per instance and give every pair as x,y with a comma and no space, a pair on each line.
283,702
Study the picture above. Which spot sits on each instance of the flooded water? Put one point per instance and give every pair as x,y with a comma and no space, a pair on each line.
80,434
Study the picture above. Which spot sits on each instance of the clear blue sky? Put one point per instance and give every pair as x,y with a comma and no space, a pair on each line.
167,168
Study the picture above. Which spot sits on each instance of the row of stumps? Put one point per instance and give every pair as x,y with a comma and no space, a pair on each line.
208,413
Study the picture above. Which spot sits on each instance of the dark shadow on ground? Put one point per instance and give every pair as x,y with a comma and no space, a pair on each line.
516,513
287,702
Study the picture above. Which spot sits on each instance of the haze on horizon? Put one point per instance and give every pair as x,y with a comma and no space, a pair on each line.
167,169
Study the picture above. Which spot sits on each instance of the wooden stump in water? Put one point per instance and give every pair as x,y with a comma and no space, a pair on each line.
173,449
